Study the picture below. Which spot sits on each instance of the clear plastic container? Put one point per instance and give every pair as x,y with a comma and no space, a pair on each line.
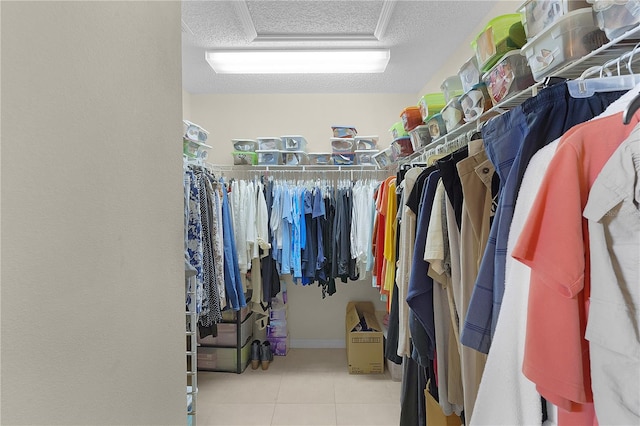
508,77
293,142
364,157
453,115
320,158
475,102
269,157
344,131
616,17
502,34
366,142
397,130
437,127
402,146
451,87
420,137
384,158
540,14
295,158
431,103
411,118
247,145
270,143
194,132
244,158
469,73
343,159
570,38
193,149
340,145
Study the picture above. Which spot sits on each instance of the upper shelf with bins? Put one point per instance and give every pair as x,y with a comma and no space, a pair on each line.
607,53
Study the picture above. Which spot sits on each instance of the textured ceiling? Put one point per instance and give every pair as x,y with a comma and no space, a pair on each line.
420,35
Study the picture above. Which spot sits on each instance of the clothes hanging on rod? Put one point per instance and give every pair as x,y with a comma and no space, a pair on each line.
464,238
310,224
209,246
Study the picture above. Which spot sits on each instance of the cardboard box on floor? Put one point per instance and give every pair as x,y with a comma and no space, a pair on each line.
365,349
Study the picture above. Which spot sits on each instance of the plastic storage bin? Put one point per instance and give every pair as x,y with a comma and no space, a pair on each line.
431,103
345,159
436,125
294,158
223,359
269,157
344,131
420,137
193,149
364,157
384,158
293,143
227,334
540,14
617,17
453,115
320,158
501,34
397,130
469,73
340,145
402,147
269,143
194,132
451,87
568,39
247,145
508,77
366,142
411,118
475,102
244,158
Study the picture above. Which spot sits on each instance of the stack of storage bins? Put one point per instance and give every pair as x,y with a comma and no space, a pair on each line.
295,150
430,106
220,353
270,151
193,140
366,147
277,331
497,71
558,32
343,145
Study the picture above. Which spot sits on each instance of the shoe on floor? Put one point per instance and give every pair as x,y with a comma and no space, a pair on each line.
256,349
266,356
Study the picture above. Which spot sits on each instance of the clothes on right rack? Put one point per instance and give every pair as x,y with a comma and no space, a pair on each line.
502,331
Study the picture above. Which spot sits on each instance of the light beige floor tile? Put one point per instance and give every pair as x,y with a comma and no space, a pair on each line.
366,392
304,414
368,414
304,388
236,414
234,388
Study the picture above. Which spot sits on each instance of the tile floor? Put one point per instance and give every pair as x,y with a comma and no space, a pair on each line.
306,387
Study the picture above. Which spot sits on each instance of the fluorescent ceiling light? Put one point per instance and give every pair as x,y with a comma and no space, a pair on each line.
298,61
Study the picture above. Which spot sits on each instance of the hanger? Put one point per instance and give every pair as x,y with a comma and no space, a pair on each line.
584,88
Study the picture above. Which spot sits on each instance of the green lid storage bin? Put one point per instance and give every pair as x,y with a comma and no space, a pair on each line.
502,34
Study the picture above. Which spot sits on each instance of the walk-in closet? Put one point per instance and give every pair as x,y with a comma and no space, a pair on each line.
291,212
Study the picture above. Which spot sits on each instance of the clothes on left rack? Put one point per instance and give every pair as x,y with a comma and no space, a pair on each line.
210,247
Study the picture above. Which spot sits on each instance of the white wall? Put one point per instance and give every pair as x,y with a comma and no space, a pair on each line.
457,58
92,259
228,117
186,105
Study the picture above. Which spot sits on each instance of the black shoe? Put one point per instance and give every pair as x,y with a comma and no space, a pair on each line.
256,350
266,356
